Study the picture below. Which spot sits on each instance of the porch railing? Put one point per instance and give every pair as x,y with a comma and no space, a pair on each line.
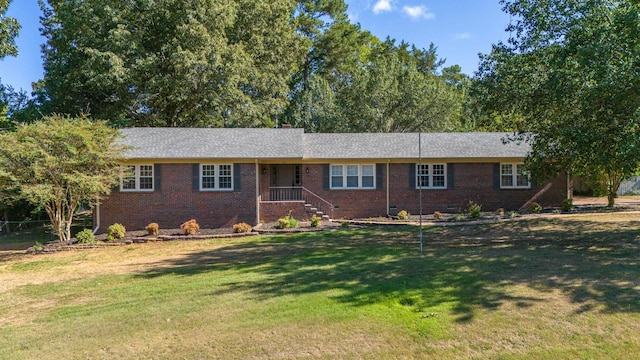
289,193
318,202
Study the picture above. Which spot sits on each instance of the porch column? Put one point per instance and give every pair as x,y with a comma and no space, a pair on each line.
257,193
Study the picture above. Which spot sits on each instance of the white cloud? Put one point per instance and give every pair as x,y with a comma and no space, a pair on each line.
417,12
382,6
462,36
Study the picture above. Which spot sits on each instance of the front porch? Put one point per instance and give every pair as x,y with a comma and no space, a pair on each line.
282,191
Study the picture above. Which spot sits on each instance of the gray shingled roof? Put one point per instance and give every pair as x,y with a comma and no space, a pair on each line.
199,143
405,145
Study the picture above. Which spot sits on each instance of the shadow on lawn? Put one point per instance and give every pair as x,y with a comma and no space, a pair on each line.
469,266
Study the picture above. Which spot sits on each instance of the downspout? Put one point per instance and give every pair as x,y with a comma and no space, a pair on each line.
95,230
388,187
257,193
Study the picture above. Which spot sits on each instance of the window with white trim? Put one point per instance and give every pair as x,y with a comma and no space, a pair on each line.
136,178
216,177
513,176
431,176
353,176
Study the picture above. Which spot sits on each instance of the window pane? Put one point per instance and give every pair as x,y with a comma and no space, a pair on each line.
146,171
506,180
423,169
522,178
367,181
129,178
352,181
367,170
208,170
336,181
506,169
336,170
438,176
225,180
352,170
146,183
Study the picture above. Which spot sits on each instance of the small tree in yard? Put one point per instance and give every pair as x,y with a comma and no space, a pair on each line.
59,163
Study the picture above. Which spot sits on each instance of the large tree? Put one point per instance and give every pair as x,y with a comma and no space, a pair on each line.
569,81
59,163
171,62
9,28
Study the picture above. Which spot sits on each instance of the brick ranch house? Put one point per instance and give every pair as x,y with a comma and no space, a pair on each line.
225,176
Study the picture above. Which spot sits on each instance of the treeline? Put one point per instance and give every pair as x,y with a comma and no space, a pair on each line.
238,63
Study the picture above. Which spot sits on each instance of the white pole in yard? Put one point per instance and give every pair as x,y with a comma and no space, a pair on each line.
419,180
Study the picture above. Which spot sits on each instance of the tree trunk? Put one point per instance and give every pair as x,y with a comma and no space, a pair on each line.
611,198
6,218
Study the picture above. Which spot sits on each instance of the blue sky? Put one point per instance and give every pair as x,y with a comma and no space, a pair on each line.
459,28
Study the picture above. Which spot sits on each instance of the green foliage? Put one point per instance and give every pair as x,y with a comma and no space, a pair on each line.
403,215
171,63
474,210
567,205
38,247
115,231
569,79
457,217
152,229
85,237
535,208
437,215
58,163
241,228
287,222
315,220
513,214
9,29
190,227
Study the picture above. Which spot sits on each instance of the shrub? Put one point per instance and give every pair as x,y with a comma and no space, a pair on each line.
437,215
38,247
457,217
403,215
115,231
152,229
567,205
190,227
315,220
474,210
85,237
513,214
287,222
535,208
344,224
500,212
241,228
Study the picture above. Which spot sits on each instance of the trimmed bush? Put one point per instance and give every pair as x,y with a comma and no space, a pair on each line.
241,228
535,208
315,220
190,227
85,237
152,229
567,205
287,222
403,215
437,215
115,232
474,210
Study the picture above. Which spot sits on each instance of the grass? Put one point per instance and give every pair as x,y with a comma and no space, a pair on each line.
550,287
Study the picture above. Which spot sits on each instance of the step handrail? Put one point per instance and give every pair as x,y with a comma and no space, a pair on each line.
331,206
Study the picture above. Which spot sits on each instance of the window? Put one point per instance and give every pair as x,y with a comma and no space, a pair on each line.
137,178
216,177
353,177
431,176
513,176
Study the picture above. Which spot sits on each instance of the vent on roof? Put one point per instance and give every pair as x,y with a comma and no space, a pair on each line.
286,126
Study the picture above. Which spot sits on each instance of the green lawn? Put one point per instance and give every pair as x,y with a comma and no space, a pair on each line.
551,287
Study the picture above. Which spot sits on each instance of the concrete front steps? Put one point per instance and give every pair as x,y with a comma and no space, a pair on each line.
311,210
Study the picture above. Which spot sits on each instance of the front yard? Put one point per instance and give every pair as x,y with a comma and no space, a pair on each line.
550,287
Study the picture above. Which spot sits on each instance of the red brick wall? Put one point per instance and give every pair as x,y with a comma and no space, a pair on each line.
272,211
177,202
471,182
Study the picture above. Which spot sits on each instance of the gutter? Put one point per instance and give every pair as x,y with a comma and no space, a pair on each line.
388,187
